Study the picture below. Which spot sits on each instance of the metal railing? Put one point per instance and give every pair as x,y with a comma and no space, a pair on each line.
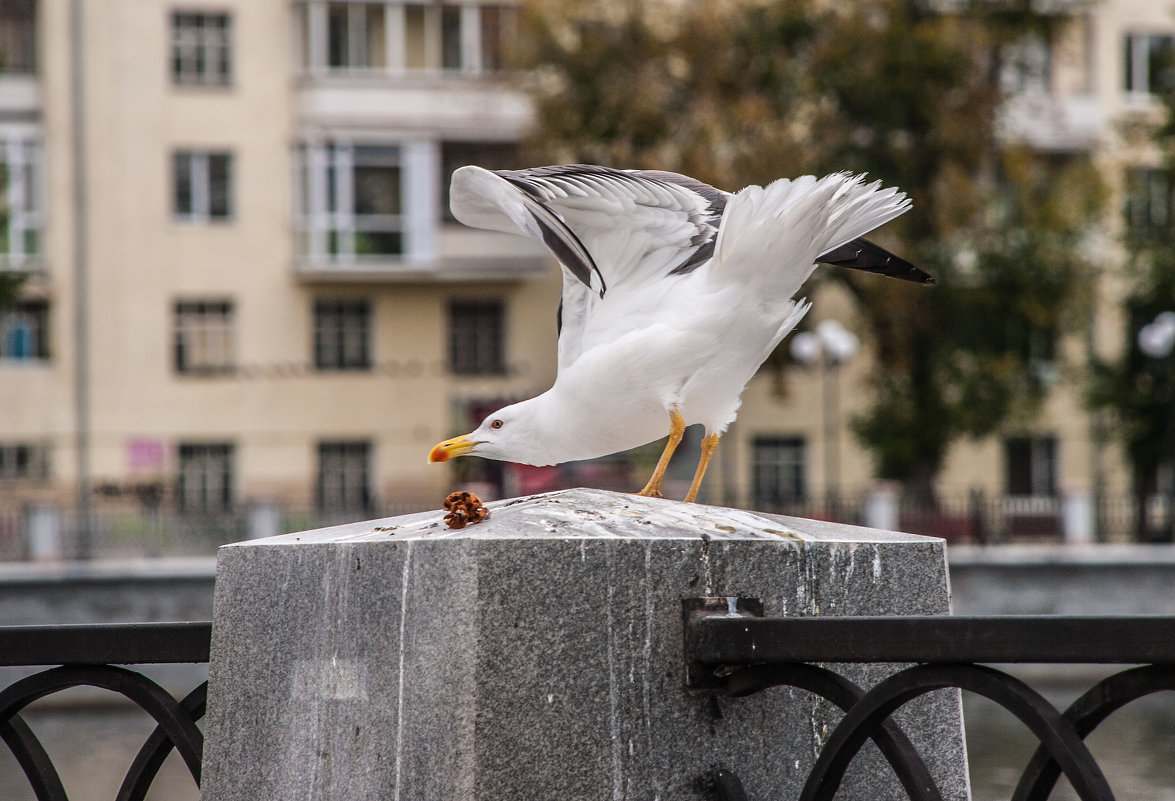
731,650
733,653
89,655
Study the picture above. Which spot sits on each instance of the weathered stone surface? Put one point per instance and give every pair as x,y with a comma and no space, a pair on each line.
538,655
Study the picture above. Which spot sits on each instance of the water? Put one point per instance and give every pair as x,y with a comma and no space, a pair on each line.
92,748
1135,747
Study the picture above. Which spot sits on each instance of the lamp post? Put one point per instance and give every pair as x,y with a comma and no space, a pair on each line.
1156,340
831,344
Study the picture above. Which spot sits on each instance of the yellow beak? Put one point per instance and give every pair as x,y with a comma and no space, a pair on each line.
457,446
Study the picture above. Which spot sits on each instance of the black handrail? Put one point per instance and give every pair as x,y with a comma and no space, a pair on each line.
105,644
716,639
737,653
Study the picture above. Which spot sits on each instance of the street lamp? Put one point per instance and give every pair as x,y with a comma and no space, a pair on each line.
1156,340
831,344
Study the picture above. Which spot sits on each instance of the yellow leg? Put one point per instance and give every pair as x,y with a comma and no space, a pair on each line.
709,445
676,430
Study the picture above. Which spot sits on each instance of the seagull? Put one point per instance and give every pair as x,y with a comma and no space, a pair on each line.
674,293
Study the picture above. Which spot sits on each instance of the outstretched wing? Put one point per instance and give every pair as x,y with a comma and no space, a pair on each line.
615,229
605,226
610,229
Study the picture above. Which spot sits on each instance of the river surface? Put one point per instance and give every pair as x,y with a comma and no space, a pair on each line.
93,746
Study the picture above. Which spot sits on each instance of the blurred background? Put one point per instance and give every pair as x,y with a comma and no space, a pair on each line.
234,301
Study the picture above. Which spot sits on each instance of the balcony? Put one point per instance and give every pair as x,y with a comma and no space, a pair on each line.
434,68
460,255
432,104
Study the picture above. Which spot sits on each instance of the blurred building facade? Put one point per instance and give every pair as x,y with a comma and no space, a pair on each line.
244,285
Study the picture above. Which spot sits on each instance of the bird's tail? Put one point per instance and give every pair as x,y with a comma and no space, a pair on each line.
795,221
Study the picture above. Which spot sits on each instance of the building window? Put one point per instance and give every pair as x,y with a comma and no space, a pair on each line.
355,36
24,331
205,481
1149,59
20,207
24,461
490,155
344,476
201,49
477,338
352,202
1031,466
202,185
405,35
342,335
777,471
18,37
1148,200
203,336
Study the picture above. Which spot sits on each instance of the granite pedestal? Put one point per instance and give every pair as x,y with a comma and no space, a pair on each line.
538,655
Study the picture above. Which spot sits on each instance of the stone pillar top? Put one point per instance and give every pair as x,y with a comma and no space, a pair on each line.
592,514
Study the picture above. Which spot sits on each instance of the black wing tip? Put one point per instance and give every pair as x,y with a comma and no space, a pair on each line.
861,254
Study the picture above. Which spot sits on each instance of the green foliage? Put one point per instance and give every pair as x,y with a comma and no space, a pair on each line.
1138,391
10,284
742,91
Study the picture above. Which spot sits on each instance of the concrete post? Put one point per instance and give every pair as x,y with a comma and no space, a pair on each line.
881,508
44,532
1077,517
265,519
538,655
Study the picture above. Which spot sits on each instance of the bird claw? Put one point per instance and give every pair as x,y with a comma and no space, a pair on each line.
651,493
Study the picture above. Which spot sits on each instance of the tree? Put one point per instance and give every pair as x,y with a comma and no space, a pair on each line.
1138,390
737,92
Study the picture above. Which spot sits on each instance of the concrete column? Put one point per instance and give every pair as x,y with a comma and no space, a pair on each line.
1077,517
538,655
44,532
881,508
265,519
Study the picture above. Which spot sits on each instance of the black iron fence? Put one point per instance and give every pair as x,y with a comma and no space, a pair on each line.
732,653
93,656
738,653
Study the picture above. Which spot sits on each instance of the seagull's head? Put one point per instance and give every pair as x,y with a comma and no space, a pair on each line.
509,435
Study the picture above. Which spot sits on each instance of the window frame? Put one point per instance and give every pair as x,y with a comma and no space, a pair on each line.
408,36
201,56
196,168
24,462
1140,48
34,314
330,229
1042,470
1149,190
212,320
22,27
342,351
204,461
344,478
484,323
780,445
22,163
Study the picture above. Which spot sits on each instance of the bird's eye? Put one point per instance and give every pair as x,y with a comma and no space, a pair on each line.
497,424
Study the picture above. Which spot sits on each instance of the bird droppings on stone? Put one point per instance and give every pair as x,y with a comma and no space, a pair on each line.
464,508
